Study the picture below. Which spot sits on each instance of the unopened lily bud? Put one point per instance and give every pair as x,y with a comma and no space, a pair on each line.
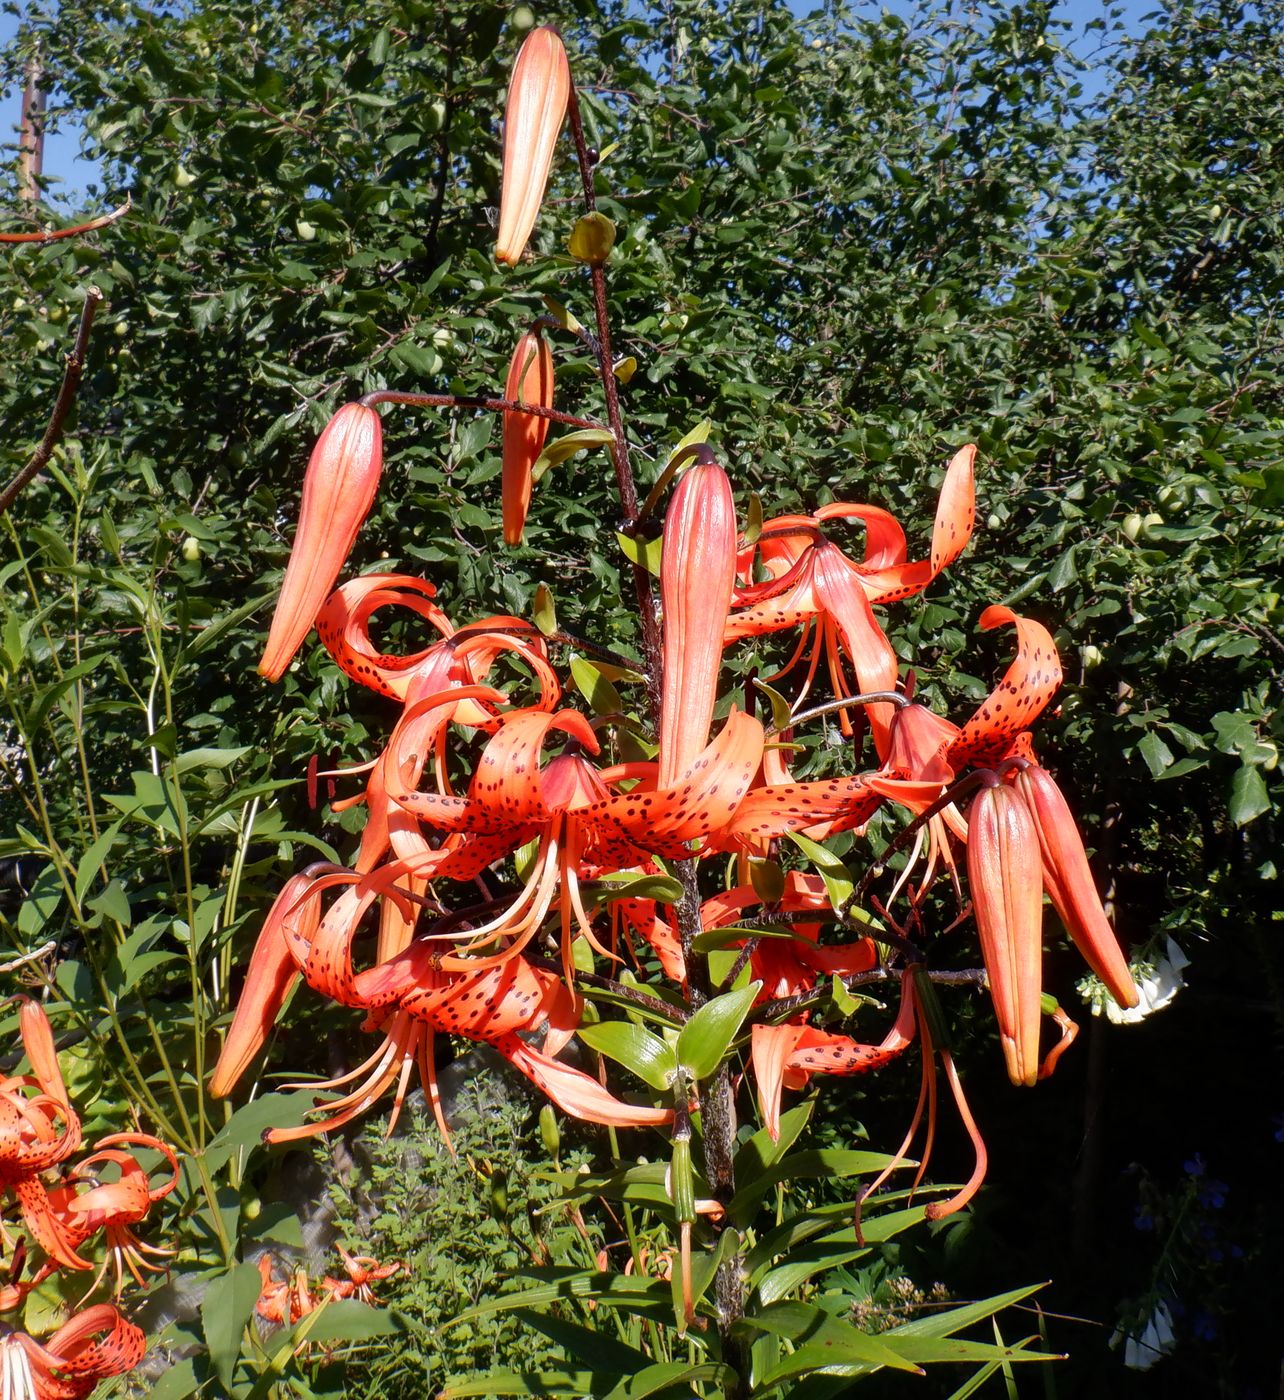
38,1042
1005,873
680,1181
538,93
530,380
1070,886
592,239
697,571
338,491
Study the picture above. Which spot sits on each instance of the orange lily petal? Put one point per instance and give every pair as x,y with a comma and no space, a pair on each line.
576,1093
769,1048
343,625
338,491
955,515
538,93
1031,681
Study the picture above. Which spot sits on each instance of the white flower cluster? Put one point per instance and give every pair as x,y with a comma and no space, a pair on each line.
1155,1340
1158,978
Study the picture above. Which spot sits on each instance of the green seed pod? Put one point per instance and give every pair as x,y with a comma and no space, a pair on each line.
592,239
549,1133
499,1194
682,1181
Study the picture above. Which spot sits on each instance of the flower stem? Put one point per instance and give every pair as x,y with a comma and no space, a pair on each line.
412,400
625,484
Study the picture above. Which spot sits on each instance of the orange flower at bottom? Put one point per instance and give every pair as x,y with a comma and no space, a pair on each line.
95,1344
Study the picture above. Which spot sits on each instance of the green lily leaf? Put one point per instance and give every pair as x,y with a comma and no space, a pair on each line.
562,449
649,1057
706,1036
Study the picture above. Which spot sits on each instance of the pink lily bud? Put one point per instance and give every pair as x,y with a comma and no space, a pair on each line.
338,491
530,380
1070,886
697,571
538,93
1005,872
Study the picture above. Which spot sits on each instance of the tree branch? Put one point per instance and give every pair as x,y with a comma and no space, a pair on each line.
66,397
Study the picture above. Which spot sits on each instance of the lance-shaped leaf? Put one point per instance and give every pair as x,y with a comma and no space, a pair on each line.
1005,872
649,1057
338,491
697,571
704,1039
530,380
538,93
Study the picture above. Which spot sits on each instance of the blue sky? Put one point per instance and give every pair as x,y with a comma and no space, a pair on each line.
61,150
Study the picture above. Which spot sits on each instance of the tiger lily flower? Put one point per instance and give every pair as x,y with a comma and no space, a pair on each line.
786,1056
1005,872
814,583
95,1344
538,94
116,1206
530,380
697,572
491,1005
281,1302
362,1272
37,1132
338,491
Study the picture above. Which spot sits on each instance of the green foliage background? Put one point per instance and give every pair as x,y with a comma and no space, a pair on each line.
851,241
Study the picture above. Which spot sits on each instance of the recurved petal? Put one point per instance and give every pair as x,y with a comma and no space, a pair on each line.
338,491
701,801
96,1343
506,790
343,625
576,1093
843,597
538,93
1020,697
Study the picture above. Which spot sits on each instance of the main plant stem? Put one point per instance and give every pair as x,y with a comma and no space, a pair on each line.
718,1133
625,484
717,1099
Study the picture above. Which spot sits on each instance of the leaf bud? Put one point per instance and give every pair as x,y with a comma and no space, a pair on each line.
592,239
